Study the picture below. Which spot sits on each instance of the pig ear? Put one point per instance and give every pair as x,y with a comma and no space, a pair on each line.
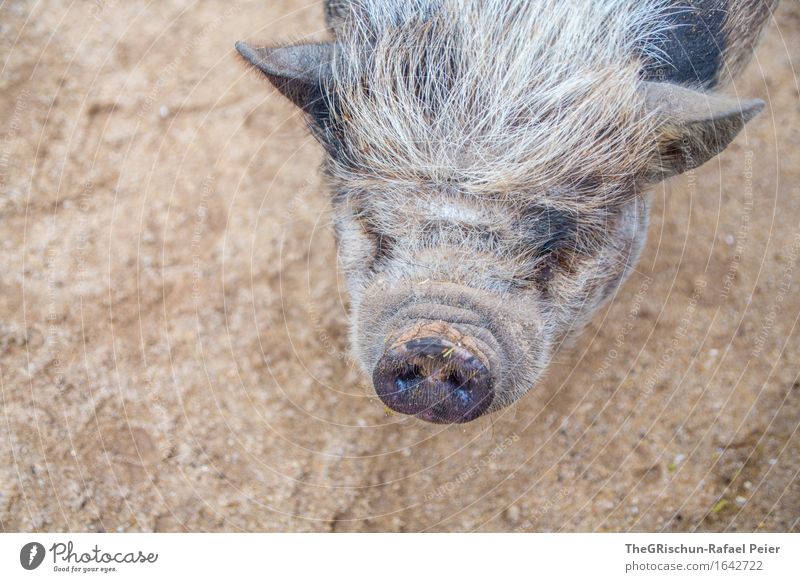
299,72
694,126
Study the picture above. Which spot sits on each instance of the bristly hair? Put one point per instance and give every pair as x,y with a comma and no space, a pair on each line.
492,95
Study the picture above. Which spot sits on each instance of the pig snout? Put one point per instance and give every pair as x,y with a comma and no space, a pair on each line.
436,378
446,353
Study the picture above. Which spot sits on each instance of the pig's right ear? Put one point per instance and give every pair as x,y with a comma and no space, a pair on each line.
299,72
693,126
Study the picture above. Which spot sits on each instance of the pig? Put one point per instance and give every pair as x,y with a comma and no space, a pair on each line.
490,163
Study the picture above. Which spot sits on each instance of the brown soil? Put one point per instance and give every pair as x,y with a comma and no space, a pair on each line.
173,327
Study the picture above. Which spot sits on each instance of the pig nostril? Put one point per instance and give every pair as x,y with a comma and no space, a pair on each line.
434,380
456,381
409,378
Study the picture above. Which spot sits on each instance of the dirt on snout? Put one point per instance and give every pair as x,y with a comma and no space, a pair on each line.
173,328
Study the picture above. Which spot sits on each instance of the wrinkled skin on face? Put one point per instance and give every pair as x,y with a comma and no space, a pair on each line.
512,282
460,294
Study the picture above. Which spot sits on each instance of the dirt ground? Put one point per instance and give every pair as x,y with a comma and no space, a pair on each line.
173,327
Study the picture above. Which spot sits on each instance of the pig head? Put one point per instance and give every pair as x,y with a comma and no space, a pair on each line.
489,170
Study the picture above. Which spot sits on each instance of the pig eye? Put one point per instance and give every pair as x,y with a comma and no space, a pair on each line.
558,241
382,243
556,261
547,230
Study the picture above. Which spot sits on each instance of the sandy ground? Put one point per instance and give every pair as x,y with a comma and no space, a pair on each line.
173,326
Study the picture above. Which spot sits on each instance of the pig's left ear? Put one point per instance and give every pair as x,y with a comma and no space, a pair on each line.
298,72
693,126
